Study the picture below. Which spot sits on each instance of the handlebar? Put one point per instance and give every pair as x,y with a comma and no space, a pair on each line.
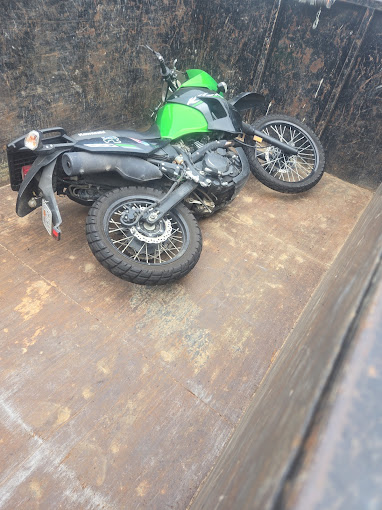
168,74
165,71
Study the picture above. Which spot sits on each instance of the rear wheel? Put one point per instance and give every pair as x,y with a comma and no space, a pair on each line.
284,172
136,251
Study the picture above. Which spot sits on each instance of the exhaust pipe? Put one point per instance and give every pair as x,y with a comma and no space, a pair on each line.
129,167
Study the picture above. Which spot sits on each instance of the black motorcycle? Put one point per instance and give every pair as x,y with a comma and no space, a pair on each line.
146,189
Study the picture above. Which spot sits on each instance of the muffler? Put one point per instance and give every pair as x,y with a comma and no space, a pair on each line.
129,167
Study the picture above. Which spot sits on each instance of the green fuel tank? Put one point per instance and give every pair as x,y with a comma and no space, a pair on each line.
196,107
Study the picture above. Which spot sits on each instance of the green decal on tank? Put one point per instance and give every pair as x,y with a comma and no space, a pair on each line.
176,120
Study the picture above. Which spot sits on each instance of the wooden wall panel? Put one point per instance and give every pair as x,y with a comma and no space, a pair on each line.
353,136
79,64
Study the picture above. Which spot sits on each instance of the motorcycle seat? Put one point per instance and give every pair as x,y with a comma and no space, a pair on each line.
152,133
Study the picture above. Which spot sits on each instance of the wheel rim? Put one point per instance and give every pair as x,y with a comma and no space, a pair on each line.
161,243
283,166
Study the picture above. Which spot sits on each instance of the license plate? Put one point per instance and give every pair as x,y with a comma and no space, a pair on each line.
46,216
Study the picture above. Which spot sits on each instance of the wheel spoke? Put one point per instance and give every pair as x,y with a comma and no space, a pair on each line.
273,163
138,252
283,167
123,241
175,247
142,246
128,244
276,131
307,155
305,161
307,143
272,167
303,137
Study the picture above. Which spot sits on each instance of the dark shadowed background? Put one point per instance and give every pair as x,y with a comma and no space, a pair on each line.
78,64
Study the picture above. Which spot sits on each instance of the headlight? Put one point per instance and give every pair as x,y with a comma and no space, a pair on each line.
32,140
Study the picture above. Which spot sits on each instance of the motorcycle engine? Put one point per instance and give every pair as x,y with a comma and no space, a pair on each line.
223,167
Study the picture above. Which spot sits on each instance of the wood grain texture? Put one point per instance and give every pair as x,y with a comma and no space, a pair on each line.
253,467
359,108
340,463
115,395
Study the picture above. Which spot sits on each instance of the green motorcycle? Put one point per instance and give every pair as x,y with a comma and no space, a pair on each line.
146,189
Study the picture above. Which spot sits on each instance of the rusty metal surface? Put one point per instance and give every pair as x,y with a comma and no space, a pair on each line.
115,395
299,76
341,463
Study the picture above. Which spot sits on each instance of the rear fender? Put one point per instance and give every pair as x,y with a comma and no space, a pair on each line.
46,186
28,184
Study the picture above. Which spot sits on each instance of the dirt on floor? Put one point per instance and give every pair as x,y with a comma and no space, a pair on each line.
4,175
119,396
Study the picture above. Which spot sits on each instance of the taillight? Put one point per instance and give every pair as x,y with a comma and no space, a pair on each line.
24,170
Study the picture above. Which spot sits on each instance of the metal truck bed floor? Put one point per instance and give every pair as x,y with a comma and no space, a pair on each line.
114,395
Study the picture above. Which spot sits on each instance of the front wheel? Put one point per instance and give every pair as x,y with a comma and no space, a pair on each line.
135,250
280,171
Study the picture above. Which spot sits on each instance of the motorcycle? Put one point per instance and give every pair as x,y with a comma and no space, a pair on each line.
146,190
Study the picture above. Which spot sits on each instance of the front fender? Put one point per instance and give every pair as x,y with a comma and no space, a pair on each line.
247,100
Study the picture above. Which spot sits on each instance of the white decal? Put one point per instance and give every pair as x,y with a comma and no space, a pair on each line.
111,139
192,100
99,145
92,133
195,99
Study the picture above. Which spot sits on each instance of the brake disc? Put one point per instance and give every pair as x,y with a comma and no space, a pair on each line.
153,239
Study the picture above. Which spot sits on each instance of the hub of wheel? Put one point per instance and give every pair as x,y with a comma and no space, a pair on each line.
128,216
151,234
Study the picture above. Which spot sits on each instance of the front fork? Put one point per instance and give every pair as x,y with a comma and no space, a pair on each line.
170,201
288,149
194,179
